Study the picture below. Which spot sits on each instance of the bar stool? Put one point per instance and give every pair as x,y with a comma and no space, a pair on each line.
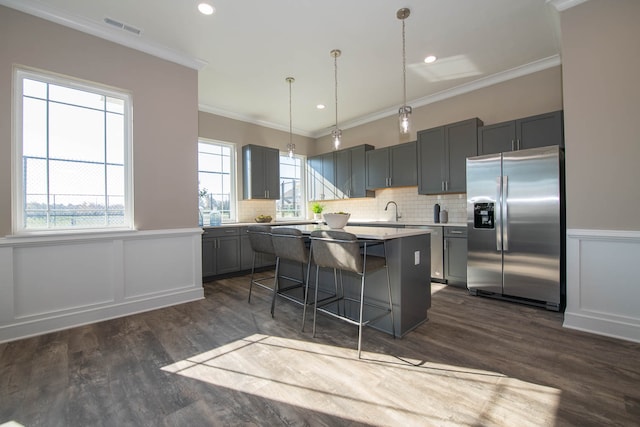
289,244
260,241
340,250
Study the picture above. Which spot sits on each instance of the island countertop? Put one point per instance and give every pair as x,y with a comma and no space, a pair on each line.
363,232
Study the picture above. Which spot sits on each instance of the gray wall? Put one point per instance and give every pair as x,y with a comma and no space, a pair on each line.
165,104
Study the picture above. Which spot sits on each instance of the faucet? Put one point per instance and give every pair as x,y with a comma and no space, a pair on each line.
396,205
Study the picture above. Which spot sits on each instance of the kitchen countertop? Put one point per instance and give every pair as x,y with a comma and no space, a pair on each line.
354,222
377,233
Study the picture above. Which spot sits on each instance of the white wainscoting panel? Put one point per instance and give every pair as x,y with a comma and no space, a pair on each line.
49,283
603,282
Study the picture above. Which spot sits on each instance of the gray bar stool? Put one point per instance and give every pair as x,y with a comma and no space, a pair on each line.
341,251
289,244
260,241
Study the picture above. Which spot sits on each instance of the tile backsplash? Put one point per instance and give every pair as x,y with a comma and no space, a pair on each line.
411,205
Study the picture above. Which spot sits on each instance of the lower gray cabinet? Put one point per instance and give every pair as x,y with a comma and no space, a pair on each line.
455,255
220,251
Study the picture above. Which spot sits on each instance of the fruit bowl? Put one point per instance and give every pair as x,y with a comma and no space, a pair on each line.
263,218
336,220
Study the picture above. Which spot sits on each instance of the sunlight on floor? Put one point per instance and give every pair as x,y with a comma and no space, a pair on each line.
332,380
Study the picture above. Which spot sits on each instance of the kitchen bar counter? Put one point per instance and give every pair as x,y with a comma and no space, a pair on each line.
409,259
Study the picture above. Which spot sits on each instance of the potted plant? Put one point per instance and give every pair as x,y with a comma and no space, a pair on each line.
317,209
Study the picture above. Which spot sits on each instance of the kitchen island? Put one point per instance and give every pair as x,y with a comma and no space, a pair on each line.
408,258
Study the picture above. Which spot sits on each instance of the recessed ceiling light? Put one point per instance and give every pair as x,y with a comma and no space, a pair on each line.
320,106
206,8
429,59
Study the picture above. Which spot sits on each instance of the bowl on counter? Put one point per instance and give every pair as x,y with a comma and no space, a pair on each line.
263,218
336,220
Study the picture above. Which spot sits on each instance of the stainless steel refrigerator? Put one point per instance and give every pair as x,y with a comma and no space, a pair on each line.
515,224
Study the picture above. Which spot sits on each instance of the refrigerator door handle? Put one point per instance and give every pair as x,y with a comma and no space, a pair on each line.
498,212
505,216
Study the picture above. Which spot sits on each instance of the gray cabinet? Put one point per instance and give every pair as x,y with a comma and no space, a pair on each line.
530,132
261,172
442,154
393,166
455,255
220,251
321,177
350,167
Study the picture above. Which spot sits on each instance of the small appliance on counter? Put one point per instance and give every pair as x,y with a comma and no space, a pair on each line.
436,213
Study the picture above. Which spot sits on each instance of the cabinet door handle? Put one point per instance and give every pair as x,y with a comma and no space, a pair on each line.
442,185
518,143
513,145
455,232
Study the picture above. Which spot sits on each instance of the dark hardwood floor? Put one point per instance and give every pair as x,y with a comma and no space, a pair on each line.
222,361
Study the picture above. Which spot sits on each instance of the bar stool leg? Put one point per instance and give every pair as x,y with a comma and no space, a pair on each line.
315,304
306,293
253,268
276,287
361,314
393,327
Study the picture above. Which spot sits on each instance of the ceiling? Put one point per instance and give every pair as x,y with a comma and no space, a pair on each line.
246,49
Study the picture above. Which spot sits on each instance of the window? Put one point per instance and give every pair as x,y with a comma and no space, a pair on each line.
216,178
72,156
291,203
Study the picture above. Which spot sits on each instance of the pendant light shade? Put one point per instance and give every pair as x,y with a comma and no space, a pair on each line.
404,113
336,134
291,147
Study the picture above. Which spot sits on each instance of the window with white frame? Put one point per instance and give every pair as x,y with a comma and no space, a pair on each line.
72,166
216,181
292,199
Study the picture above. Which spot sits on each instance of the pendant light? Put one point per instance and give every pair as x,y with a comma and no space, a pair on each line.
290,146
404,113
336,134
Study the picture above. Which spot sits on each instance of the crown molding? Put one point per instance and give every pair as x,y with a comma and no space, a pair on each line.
252,120
100,30
533,67
561,5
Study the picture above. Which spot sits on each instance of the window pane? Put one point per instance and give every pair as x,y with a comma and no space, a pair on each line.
34,88
215,176
76,97
73,155
76,133
291,202
34,127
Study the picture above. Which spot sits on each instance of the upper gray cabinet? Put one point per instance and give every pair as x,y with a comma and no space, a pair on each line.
530,132
351,172
261,172
393,166
321,173
442,153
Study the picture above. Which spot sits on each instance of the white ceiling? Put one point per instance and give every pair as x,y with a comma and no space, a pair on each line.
247,48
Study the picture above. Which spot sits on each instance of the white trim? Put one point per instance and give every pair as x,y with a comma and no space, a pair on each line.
102,30
603,285
562,5
20,73
85,279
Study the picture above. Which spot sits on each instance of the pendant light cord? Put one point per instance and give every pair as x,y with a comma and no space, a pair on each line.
290,116
404,68
335,71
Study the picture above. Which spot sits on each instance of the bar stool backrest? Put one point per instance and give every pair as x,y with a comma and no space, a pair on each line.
260,238
336,249
288,243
